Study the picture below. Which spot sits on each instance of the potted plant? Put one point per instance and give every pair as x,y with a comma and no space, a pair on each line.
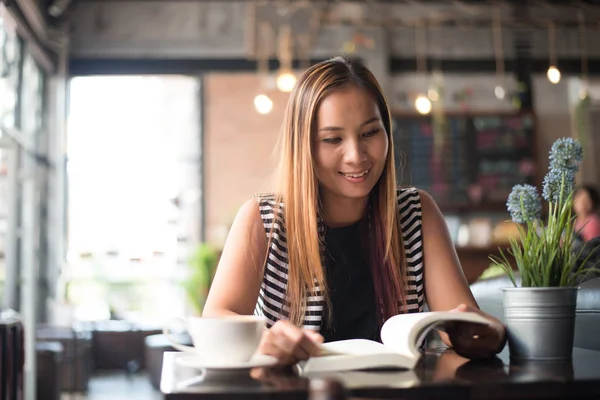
540,314
202,266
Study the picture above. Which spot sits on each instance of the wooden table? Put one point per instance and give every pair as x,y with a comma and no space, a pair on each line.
441,374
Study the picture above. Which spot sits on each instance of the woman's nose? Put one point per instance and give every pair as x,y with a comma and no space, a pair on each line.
355,152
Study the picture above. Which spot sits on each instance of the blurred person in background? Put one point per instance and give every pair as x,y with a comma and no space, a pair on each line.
585,204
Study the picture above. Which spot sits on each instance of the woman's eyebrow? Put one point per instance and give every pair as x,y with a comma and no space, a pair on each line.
337,128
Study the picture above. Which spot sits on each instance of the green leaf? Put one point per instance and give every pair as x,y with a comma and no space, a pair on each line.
201,269
505,265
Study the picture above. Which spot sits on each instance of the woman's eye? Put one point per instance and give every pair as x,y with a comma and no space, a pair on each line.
332,140
371,133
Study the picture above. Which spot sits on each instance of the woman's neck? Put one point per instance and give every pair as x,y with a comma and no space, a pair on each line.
343,211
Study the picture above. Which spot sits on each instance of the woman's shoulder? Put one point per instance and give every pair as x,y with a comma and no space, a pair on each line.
269,204
404,193
408,197
408,204
414,195
592,222
587,222
267,198
412,200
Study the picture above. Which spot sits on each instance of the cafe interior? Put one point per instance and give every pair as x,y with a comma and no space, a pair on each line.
133,130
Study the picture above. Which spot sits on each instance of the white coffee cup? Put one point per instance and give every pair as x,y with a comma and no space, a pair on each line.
221,340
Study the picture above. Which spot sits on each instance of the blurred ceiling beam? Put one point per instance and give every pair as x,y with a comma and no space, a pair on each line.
453,23
34,16
59,7
103,66
32,27
85,66
302,17
463,3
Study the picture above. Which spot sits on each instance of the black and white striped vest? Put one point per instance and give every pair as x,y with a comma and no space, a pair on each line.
271,303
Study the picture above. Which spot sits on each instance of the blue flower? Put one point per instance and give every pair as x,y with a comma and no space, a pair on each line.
558,182
524,204
566,154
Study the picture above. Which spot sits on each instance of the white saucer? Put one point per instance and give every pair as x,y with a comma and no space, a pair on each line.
194,361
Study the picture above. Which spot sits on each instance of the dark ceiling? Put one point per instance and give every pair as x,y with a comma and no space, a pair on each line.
522,12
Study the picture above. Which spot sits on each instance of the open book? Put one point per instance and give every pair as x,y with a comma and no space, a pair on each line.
401,336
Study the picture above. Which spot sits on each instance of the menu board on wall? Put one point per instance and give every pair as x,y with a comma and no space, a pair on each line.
472,163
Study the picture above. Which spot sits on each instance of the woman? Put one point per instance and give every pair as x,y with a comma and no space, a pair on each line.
338,250
585,205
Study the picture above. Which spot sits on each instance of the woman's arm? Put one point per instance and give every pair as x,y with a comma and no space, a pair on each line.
236,284
446,287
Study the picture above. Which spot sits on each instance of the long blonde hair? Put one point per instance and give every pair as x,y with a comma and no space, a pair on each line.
297,188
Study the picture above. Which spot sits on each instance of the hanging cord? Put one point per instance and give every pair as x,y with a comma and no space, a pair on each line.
420,48
583,47
552,43
264,48
285,48
498,48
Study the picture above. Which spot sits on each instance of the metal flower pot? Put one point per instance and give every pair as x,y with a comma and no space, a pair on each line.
540,322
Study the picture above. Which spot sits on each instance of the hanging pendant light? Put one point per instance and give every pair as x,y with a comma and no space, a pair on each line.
499,90
583,90
262,102
286,79
553,72
423,104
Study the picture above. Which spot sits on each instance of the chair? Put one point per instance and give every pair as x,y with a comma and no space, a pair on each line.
590,253
12,356
76,359
49,357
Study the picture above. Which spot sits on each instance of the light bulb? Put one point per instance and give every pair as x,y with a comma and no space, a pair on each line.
553,74
423,104
583,91
433,94
499,92
286,81
263,104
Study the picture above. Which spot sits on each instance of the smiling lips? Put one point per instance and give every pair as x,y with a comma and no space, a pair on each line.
355,177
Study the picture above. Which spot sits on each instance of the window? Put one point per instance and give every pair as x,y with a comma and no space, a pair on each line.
134,206
10,58
10,63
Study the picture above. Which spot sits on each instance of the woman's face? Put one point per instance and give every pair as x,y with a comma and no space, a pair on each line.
582,204
350,144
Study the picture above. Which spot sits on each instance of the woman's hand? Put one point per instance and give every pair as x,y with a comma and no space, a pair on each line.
476,341
289,344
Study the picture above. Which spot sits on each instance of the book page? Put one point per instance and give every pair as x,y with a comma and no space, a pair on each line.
404,333
350,362
354,347
356,354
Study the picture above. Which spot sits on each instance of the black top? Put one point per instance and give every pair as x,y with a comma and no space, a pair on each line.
350,283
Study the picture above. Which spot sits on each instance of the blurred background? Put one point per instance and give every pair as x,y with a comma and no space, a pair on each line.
132,130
